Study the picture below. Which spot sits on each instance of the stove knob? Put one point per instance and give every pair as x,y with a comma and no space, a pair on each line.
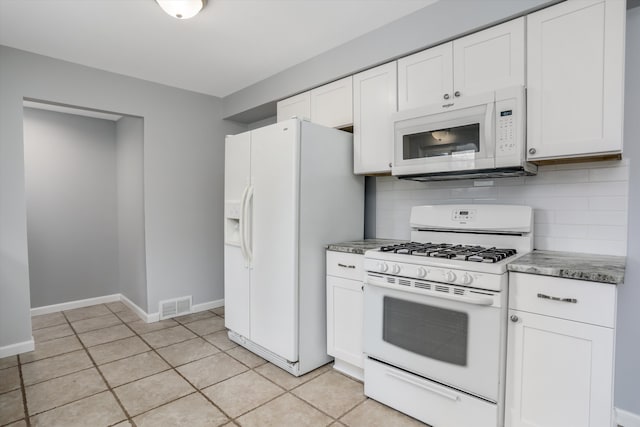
467,279
450,276
382,267
421,272
395,269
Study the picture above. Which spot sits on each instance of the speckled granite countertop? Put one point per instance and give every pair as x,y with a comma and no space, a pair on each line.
571,265
361,246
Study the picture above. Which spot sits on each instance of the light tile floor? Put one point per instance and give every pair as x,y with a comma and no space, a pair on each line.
102,366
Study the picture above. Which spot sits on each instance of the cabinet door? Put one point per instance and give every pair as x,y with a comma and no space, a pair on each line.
575,79
490,59
297,106
559,372
344,320
425,78
332,104
374,101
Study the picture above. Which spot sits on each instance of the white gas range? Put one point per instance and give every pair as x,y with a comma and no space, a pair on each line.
436,312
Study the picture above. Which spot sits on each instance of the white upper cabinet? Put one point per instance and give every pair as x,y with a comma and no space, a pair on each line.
425,77
375,95
297,106
490,59
332,104
575,79
481,62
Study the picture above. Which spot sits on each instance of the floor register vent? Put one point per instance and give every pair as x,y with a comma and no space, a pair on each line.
175,307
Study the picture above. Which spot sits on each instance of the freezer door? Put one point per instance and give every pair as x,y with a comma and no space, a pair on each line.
236,271
274,237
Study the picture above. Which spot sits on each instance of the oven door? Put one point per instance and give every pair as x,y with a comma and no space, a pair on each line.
456,342
433,139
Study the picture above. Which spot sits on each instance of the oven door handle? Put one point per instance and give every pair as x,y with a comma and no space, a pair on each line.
436,294
424,385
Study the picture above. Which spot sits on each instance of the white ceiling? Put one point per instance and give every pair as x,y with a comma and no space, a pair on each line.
230,45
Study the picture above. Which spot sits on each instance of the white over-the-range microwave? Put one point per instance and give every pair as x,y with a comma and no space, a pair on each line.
476,136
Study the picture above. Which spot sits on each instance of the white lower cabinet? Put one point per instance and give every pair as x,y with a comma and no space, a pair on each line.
345,312
559,371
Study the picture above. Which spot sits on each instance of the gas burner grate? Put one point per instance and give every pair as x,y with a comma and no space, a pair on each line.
473,253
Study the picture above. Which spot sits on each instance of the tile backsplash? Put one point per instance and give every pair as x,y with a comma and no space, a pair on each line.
580,207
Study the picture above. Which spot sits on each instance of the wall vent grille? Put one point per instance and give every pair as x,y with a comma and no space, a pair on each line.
175,307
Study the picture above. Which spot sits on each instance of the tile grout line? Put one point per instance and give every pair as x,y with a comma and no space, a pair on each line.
253,369
95,365
197,390
24,394
249,368
174,368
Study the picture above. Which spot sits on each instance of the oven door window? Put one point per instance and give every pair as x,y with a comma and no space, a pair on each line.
441,142
434,332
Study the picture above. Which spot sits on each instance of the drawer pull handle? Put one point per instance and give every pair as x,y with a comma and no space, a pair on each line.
346,266
571,300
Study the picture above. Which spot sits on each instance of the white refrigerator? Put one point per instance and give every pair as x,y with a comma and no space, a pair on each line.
289,191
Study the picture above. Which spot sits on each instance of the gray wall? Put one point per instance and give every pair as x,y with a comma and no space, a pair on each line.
70,165
132,273
627,394
441,21
183,178
264,122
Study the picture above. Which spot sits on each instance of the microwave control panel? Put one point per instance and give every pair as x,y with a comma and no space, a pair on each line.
505,132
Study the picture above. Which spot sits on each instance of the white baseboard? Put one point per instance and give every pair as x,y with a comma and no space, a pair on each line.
137,310
17,348
147,317
626,418
207,305
74,304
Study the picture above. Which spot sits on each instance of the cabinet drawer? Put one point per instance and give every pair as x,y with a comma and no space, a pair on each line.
579,300
345,265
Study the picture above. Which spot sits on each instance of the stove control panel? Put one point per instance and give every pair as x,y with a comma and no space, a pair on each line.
427,273
464,214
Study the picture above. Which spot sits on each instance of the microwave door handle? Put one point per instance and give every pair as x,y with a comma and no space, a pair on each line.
489,140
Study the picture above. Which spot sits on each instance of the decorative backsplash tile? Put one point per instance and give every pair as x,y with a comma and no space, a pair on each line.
579,207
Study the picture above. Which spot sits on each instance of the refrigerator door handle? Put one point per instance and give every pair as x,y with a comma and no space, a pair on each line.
247,237
243,218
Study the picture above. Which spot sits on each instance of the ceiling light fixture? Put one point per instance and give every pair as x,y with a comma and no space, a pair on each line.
182,9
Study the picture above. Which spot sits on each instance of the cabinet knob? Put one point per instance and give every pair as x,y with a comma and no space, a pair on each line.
446,96
532,151
457,94
514,318
389,164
